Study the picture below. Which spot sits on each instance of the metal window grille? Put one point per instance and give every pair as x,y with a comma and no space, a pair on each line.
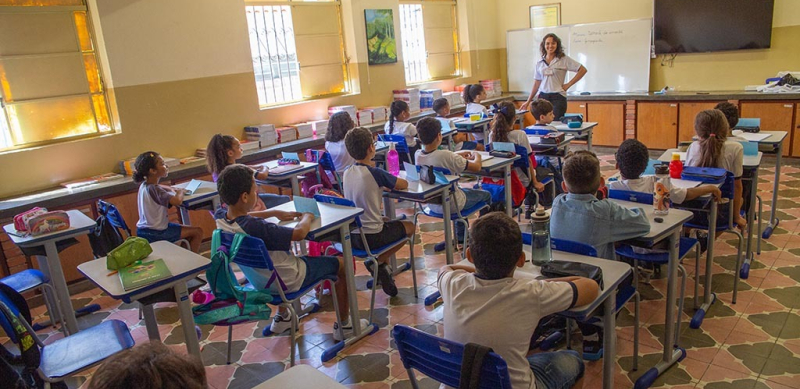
272,44
413,37
5,131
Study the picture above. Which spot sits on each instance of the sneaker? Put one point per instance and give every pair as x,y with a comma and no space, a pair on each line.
439,247
280,324
385,279
702,238
347,329
593,348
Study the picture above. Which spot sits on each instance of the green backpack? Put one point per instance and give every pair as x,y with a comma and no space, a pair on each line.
232,302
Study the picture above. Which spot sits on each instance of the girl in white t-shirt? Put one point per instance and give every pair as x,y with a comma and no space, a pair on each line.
503,131
399,112
338,126
473,95
715,150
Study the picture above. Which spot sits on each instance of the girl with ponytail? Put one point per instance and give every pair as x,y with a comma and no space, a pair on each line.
399,112
503,131
473,95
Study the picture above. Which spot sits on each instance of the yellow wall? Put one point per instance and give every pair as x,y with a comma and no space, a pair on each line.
181,71
690,72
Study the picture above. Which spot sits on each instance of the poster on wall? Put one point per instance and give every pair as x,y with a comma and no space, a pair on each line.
547,15
381,43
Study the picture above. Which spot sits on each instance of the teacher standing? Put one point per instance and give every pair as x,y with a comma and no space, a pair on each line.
550,73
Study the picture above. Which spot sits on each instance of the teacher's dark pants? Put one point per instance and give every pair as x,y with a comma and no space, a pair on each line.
559,103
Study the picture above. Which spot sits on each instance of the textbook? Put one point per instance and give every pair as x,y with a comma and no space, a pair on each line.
143,273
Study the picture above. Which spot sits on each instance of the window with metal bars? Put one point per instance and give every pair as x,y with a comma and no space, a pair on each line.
429,35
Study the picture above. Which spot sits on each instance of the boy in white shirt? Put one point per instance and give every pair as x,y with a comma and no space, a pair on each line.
477,298
442,108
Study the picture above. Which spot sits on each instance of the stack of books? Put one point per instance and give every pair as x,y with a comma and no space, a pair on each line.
265,134
201,153
91,180
364,117
286,134
379,114
454,98
191,159
320,127
410,96
304,130
493,87
171,162
350,109
427,96
249,145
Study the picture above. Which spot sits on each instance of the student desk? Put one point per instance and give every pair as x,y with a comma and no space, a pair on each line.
205,193
478,126
771,145
551,150
495,164
50,264
669,229
333,218
447,137
585,130
184,266
300,376
291,175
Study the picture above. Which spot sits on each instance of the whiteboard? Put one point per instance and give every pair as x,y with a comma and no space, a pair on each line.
616,54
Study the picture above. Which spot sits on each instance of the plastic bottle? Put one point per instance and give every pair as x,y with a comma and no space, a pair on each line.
540,237
661,190
393,160
676,166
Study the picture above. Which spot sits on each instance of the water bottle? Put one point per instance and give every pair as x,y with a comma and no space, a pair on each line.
661,190
540,237
676,166
540,220
393,160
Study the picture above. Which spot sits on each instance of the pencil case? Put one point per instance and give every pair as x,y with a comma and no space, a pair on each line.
48,222
21,220
708,175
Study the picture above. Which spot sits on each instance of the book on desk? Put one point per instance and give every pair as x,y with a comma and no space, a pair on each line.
143,273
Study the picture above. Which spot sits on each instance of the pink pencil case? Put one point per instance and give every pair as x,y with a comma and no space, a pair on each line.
21,220
48,222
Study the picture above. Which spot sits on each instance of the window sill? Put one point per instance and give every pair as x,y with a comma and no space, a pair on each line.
52,143
434,80
309,100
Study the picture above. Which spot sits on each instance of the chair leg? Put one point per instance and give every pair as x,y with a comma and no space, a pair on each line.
413,266
374,288
758,237
230,338
697,274
412,379
293,332
336,310
681,296
637,298
569,333
738,266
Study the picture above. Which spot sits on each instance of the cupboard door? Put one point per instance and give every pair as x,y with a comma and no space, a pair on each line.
610,118
686,116
775,116
795,135
577,107
657,125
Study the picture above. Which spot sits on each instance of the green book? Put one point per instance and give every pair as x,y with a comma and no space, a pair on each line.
143,273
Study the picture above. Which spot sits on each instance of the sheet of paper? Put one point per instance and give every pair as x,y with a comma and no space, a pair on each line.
754,137
484,155
534,139
289,155
411,172
503,146
305,205
680,183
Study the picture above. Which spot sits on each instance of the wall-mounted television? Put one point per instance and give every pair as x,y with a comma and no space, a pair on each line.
696,26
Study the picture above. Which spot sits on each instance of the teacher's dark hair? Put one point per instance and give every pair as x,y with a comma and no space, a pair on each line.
559,47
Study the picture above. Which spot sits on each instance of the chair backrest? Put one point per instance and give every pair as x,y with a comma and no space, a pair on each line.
629,195
252,252
112,213
337,201
523,162
567,246
440,359
399,140
325,160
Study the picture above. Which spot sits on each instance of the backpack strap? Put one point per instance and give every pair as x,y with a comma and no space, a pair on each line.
471,364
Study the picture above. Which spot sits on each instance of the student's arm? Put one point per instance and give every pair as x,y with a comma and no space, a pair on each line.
400,184
469,268
581,72
262,173
702,190
177,199
538,186
586,289
281,215
475,164
302,228
737,203
534,91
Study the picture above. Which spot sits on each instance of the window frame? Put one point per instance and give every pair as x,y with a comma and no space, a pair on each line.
347,80
456,40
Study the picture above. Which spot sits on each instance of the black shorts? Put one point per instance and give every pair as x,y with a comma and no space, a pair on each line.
392,232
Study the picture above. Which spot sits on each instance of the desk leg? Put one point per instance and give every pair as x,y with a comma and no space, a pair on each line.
749,255
295,186
55,317
589,140
184,213
60,285
609,340
507,184
150,322
708,297
773,219
448,244
187,320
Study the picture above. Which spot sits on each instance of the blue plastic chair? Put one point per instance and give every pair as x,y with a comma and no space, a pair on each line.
116,220
326,162
371,254
399,144
524,163
440,359
30,279
73,354
253,254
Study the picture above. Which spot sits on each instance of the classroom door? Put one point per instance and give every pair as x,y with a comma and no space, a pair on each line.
686,115
657,125
775,116
610,118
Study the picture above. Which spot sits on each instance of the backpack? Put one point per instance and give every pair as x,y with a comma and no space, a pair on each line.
232,302
496,186
314,182
105,236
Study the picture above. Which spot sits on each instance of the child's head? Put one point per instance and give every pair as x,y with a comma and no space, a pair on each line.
441,106
495,245
581,172
236,184
632,158
429,131
711,127
398,112
150,365
359,144
730,111
338,125
149,164
222,151
542,110
553,43
503,121
473,93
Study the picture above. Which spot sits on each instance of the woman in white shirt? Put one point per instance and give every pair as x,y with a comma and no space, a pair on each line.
550,73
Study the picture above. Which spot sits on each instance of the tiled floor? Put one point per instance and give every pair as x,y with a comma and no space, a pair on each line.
752,344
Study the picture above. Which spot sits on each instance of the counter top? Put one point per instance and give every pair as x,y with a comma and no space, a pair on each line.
677,96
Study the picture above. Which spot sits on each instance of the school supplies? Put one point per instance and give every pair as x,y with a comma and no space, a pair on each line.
21,220
552,138
364,117
379,114
306,205
503,146
141,274
131,250
427,175
320,127
188,160
288,161
286,134
558,269
411,172
51,221
265,134
748,125
304,130
290,155
280,169
493,87
454,98
249,145
192,187
427,96
410,96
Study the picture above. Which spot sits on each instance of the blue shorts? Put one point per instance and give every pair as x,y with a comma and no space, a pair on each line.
171,234
318,268
556,370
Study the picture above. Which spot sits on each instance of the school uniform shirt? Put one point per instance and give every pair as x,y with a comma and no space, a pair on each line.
449,160
519,138
731,158
341,158
647,184
473,310
363,185
599,223
477,108
278,240
153,205
405,129
552,75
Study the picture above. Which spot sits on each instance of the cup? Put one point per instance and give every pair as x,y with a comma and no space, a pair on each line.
540,248
474,117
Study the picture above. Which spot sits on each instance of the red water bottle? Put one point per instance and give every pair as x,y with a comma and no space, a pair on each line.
676,166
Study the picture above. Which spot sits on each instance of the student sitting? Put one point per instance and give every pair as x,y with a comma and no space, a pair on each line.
154,201
430,134
363,185
731,113
473,95
542,110
237,189
150,365
503,131
442,108
338,126
580,217
478,300
399,112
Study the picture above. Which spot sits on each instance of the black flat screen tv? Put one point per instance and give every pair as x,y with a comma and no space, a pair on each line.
696,26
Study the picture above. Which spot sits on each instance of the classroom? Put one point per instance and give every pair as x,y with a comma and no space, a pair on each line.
251,193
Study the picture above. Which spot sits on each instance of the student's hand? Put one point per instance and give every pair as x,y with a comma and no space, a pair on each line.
287,216
310,216
538,186
717,194
467,154
525,105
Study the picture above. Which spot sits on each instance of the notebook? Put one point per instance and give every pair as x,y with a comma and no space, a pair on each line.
484,155
143,273
306,205
192,187
284,169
